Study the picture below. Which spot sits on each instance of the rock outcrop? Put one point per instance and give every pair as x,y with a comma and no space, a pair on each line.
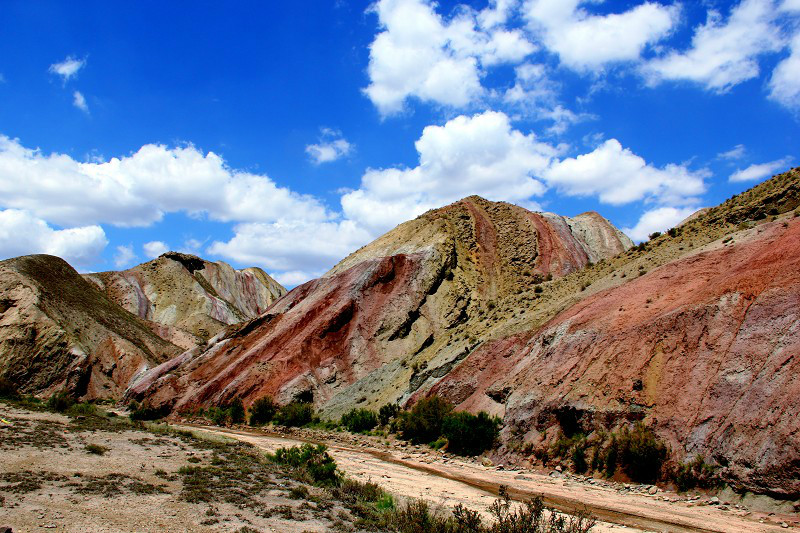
195,298
393,317
57,331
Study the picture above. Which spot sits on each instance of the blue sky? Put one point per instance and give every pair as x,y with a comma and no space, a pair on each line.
286,135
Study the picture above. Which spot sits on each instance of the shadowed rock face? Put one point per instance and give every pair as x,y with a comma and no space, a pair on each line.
393,317
197,298
58,331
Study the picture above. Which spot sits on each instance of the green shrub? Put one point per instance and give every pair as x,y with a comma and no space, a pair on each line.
82,409
439,443
236,411
263,411
146,412
579,458
387,413
95,449
314,461
468,434
611,456
695,473
423,423
642,454
8,390
60,402
358,420
295,414
218,416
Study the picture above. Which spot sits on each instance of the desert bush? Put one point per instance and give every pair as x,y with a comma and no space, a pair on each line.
60,402
695,473
82,409
532,517
641,453
218,416
295,414
358,420
8,390
579,464
236,411
387,413
263,411
95,449
146,412
423,423
314,461
469,434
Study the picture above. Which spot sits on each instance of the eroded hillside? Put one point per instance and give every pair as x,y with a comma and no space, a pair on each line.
393,317
57,331
190,294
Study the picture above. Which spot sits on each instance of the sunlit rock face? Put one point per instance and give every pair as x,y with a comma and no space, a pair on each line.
190,294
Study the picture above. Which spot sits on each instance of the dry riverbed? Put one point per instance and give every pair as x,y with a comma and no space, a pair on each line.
419,472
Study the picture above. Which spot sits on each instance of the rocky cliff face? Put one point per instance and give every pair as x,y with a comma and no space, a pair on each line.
196,298
58,331
393,317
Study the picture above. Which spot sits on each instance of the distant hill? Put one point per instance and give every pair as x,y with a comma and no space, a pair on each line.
93,335
191,294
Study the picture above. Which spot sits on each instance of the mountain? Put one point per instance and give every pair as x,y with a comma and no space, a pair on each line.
58,331
197,298
393,315
696,332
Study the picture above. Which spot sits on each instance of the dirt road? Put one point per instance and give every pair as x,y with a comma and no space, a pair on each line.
450,482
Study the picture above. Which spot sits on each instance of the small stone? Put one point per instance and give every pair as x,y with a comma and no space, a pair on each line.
784,525
652,490
559,469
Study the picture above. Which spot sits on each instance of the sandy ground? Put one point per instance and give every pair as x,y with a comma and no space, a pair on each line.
40,448
416,473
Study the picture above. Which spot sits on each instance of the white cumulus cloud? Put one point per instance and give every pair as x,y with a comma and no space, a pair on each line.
21,233
737,152
587,42
331,146
481,154
618,176
723,53
68,68
784,85
79,101
419,54
137,190
153,249
659,219
124,257
761,170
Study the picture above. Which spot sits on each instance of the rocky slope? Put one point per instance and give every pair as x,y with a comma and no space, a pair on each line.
394,316
704,347
695,332
197,298
58,331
